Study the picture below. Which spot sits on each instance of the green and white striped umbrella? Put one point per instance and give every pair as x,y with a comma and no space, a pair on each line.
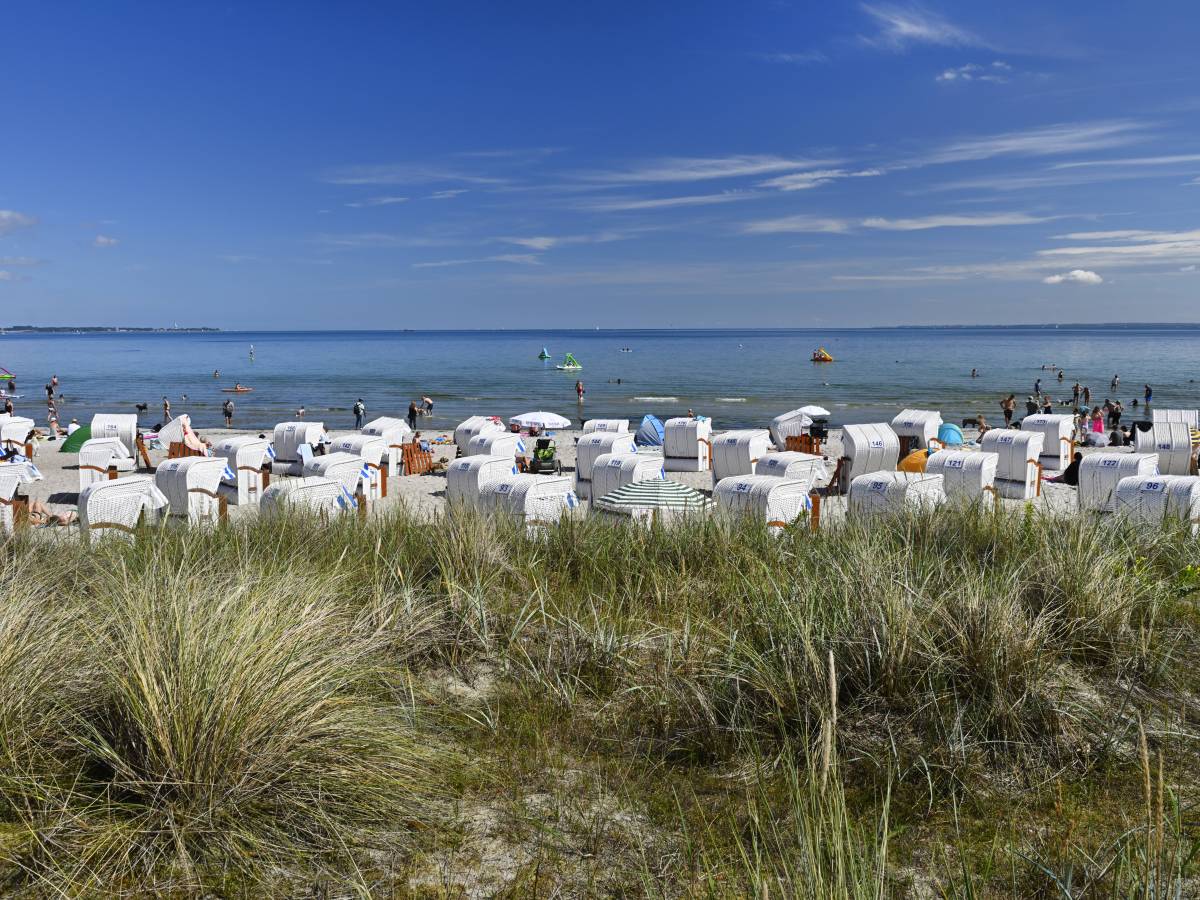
656,494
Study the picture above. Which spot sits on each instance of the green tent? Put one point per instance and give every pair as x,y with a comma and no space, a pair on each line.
75,441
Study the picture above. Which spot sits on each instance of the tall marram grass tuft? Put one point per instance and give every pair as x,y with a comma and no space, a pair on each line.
270,706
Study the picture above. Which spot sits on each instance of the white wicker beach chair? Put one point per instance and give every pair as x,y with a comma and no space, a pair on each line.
99,458
113,508
12,476
14,434
348,470
289,436
395,434
121,426
191,485
371,449
778,501
321,495
246,456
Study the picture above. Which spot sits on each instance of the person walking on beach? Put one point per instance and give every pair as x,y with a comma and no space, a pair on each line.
227,409
360,409
1008,406
579,390
166,409
412,414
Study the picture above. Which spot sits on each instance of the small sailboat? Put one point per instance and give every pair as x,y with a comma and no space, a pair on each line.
569,364
544,355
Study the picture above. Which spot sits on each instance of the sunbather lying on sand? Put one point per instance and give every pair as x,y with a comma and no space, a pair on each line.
40,514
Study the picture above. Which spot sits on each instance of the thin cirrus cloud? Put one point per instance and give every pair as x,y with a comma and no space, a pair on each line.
1128,247
813,224
549,242
406,173
1075,276
1131,161
104,240
803,181
1047,140
689,168
805,58
897,27
523,259
377,201
634,204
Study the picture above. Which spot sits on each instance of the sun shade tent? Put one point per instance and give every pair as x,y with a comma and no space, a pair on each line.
866,449
501,443
1153,500
113,508
889,493
789,424
395,434
540,419
605,425
190,484
1057,445
467,478
473,426
655,501
965,475
76,440
917,427
121,426
289,437
950,435
737,452
1099,474
347,469
99,455
592,446
615,470
1017,466
245,457
12,476
1172,441
687,445
1189,417
321,495
649,433
370,449
778,501
532,499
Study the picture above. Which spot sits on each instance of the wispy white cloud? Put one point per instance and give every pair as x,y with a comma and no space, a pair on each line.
897,26
1191,268
1131,161
447,195
803,181
364,239
805,58
1075,276
1048,140
377,201
687,168
983,220
406,173
104,240
6,275
20,261
797,225
524,259
11,220
1130,247
997,73
549,242
629,204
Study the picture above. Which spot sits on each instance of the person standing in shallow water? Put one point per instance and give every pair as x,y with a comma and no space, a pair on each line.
227,410
1148,393
579,390
360,409
412,414
1008,406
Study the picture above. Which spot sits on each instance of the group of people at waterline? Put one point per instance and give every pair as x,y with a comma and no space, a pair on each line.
1089,417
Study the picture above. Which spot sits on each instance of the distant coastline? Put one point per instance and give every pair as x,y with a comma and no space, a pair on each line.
100,329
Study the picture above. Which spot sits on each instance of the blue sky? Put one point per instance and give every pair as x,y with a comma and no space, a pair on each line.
616,165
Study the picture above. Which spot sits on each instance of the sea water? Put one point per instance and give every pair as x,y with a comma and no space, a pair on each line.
739,378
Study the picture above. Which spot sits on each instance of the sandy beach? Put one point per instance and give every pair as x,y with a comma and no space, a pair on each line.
425,494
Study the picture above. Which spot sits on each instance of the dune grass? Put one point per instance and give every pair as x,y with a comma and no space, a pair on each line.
966,705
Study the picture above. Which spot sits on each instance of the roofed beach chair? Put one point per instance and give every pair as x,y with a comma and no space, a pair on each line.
371,449
323,496
289,438
114,508
249,461
15,434
103,459
123,427
191,484
14,507
395,434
